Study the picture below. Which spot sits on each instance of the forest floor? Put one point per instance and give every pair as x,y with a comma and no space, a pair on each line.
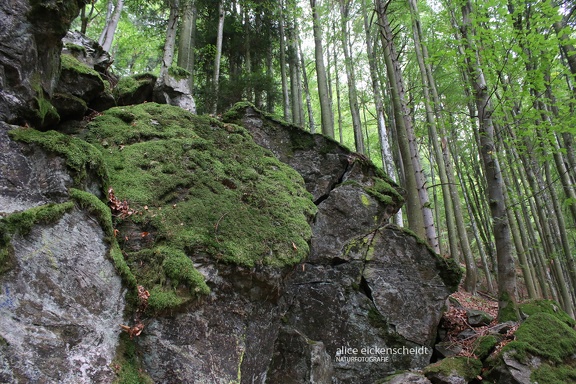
455,321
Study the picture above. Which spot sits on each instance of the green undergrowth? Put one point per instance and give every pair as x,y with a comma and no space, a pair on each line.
197,188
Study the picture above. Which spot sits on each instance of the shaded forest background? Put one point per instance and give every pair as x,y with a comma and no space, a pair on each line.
468,105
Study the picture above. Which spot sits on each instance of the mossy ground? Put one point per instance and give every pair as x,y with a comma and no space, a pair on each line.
547,306
200,189
127,364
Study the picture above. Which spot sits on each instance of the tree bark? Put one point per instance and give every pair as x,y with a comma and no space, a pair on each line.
218,56
112,19
507,289
327,118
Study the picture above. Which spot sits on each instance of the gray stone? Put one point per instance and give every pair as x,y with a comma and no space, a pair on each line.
407,378
29,177
477,318
60,306
174,91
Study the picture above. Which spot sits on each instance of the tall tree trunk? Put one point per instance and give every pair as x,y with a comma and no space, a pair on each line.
311,123
283,64
187,40
385,150
170,43
453,235
351,78
419,213
112,19
327,117
507,290
218,56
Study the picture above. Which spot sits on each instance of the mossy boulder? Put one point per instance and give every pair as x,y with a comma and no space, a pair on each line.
135,89
454,370
543,351
201,192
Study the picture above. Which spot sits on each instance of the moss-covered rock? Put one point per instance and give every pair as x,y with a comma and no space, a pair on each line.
543,335
134,89
464,367
81,158
484,345
198,189
550,307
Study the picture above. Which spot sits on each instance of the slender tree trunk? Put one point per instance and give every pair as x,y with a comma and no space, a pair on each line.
187,40
453,233
351,78
419,213
385,150
170,44
112,19
218,56
311,122
325,105
507,290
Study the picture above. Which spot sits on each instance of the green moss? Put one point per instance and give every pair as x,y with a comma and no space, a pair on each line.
81,158
45,110
554,374
163,299
75,48
71,63
199,188
102,213
127,363
507,308
127,86
484,345
178,72
178,267
545,336
465,367
23,222
546,306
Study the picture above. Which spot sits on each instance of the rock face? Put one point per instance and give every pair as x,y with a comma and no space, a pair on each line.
61,299
366,285
174,90
30,63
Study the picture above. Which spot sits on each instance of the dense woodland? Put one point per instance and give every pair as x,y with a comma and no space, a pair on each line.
469,106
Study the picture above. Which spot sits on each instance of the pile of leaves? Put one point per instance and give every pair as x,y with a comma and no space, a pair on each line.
455,321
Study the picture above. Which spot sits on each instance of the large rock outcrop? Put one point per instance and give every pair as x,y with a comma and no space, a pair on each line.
240,264
366,284
31,33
